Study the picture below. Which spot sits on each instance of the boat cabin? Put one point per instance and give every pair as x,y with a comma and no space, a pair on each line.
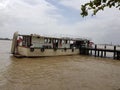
36,45
35,41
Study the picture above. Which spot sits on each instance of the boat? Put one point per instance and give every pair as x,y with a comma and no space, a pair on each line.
34,45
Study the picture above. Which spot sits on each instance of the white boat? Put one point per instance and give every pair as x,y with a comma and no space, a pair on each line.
36,45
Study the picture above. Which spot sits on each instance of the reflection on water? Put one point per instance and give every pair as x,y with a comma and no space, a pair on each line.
57,73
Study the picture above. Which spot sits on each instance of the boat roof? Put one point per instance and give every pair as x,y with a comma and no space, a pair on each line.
57,37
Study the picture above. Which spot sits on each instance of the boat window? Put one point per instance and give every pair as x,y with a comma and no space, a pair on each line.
65,41
60,41
68,41
49,40
45,40
26,41
56,40
71,42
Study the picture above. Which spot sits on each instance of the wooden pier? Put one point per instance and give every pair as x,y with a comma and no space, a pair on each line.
100,52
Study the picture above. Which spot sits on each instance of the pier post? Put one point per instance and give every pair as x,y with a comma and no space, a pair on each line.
98,53
86,51
114,52
95,49
91,52
101,53
118,55
80,49
105,51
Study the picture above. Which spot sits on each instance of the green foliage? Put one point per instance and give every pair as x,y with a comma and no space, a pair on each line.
97,5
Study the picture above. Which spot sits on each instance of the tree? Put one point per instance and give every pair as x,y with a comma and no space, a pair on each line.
97,5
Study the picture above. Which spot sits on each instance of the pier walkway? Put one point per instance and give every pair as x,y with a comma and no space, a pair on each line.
100,52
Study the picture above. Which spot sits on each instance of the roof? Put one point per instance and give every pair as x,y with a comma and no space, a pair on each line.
57,37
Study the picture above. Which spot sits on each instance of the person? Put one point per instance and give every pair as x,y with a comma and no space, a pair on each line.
19,41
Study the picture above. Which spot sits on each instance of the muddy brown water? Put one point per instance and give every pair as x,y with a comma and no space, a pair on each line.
57,73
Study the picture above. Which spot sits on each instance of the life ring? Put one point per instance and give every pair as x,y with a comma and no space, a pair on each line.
42,49
72,49
55,49
32,49
65,48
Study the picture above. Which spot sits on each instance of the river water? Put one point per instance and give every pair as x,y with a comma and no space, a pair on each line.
57,73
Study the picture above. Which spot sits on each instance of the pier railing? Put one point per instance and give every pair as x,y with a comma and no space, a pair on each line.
100,52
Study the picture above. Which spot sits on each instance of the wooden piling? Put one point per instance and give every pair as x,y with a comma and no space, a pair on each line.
98,53
95,49
105,51
101,53
114,52
118,55
91,52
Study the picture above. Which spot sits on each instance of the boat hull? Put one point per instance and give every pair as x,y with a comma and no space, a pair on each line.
39,52
14,43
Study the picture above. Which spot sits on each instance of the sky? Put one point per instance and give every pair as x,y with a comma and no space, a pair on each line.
58,17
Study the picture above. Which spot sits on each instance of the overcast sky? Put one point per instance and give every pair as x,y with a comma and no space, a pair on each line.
58,17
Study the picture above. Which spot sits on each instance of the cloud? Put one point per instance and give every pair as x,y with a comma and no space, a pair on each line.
102,28
69,14
53,17
26,18
73,3
3,3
